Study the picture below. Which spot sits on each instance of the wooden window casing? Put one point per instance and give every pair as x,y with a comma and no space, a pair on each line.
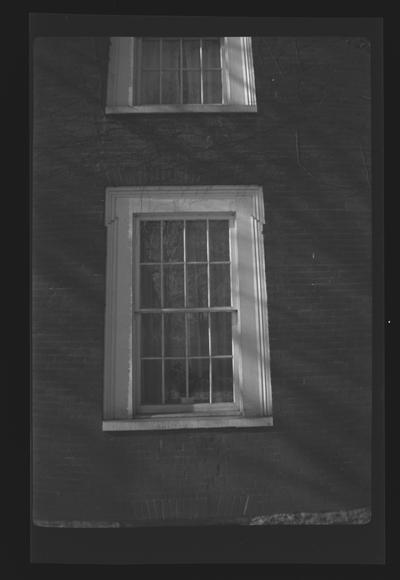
243,207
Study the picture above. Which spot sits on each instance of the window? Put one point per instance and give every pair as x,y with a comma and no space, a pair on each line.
185,314
180,74
186,317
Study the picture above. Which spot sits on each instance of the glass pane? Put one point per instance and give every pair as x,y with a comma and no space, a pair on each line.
150,335
220,285
174,334
150,241
219,240
199,380
191,87
151,53
198,333
211,53
150,286
196,241
212,87
191,53
175,380
150,88
170,54
173,241
170,91
196,285
222,381
221,333
173,287
151,382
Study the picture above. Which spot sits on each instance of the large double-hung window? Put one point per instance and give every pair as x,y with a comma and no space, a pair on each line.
186,314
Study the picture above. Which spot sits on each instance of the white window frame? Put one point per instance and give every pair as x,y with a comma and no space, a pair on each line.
253,395
238,85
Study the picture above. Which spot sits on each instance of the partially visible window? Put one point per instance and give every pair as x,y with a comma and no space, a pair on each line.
180,74
179,71
186,312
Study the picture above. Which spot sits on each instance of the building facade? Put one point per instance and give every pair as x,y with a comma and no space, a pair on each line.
304,143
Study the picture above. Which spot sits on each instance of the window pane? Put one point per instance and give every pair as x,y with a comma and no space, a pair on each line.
199,380
198,333
222,381
212,87
151,382
150,287
170,91
211,53
174,334
175,380
173,241
170,54
191,53
150,335
221,333
220,285
150,241
196,241
173,287
196,276
150,88
150,53
219,240
191,87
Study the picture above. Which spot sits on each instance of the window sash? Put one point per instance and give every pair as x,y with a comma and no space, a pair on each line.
139,310
186,357
251,343
139,69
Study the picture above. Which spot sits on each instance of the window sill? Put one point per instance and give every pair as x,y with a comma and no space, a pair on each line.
182,109
164,423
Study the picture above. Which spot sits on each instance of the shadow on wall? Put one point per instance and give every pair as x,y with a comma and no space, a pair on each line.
307,381
221,142
320,320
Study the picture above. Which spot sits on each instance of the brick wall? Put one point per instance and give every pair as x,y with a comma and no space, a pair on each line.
308,147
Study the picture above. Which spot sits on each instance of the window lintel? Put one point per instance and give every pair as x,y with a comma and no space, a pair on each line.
250,195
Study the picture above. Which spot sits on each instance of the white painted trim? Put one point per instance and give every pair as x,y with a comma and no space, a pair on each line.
218,195
225,72
248,71
221,109
149,424
246,204
120,72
